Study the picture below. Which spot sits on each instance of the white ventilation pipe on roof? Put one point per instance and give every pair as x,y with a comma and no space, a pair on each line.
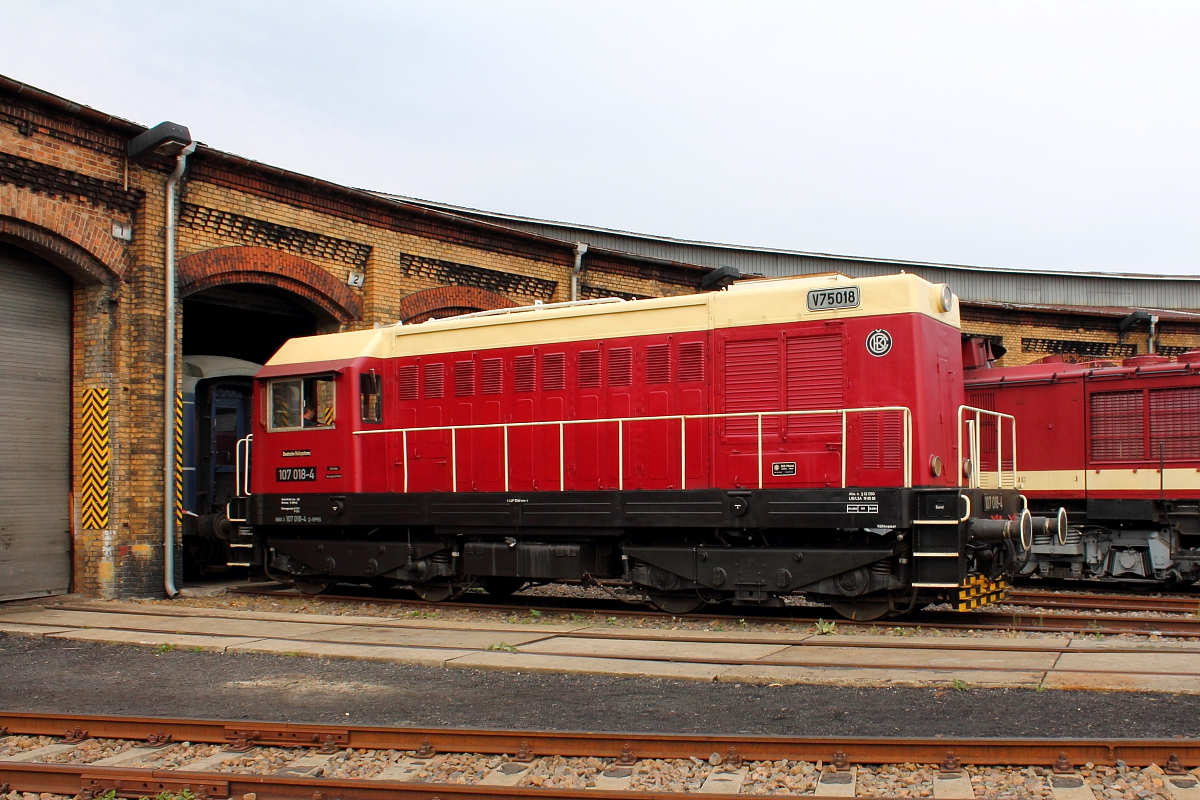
576,268
169,382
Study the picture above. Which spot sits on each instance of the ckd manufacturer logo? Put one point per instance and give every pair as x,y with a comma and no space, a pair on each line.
879,342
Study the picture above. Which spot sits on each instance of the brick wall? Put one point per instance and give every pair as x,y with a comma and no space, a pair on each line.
1032,335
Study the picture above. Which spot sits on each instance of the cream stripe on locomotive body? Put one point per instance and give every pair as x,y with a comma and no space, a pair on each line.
460,474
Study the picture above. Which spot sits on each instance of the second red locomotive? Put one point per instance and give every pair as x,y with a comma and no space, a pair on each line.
775,437
1115,443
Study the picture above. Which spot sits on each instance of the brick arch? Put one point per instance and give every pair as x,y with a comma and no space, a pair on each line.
222,266
446,301
63,235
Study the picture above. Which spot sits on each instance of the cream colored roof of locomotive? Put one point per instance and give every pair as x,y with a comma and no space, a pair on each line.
754,302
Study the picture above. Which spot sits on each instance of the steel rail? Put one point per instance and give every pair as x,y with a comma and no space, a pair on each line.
853,750
803,639
947,620
1108,602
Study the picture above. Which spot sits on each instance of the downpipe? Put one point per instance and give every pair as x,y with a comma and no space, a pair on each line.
169,381
576,268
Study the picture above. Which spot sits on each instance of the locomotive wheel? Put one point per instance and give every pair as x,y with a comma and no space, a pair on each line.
502,587
681,603
434,591
861,611
311,587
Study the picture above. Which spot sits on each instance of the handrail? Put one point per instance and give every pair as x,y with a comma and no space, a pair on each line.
241,472
975,428
241,475
620,423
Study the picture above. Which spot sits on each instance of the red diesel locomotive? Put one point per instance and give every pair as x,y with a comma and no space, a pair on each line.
1115,443
775,437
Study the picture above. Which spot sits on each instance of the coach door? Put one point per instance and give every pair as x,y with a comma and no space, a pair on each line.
35,426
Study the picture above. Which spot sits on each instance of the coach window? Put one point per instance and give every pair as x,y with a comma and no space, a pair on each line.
302,403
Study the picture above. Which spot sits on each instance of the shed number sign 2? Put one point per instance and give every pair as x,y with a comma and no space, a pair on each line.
827,299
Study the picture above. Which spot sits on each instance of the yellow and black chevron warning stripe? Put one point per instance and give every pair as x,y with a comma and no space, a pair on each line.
96,460
178,458
977,591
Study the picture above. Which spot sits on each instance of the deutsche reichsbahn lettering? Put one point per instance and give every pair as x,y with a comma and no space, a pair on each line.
296,473
826,299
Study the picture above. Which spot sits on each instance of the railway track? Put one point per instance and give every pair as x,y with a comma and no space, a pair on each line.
1181,619
49,753
1104,601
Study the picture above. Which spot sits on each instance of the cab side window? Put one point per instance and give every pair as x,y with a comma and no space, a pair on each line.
302,403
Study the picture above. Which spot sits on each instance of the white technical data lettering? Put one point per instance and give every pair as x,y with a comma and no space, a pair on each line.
879,342
860,495
291,504
862,508
828,299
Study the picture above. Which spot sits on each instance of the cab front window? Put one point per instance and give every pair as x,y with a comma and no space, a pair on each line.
302,403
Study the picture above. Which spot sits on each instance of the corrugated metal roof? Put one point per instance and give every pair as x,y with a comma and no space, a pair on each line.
971,283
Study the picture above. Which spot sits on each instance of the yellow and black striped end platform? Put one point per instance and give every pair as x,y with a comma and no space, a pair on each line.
95,461
978,591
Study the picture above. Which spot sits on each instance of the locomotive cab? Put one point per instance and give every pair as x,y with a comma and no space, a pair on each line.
777,437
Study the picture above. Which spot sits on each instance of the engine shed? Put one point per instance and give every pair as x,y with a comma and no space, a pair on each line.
122,381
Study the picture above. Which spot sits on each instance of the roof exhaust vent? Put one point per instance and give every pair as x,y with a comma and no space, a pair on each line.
164,139
719,278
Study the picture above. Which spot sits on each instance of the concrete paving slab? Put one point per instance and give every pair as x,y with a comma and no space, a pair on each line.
1164,646
671,651
166,610
614,779
934,658
1117,681
1070,787
837,784
211,644
147,622
952,786
405,769
1131,663
721,782
653,634
1182,787
571,665
40,752
409,637
509,774
847,676
362,652
929,642
305,766
30,631
127,757
210,763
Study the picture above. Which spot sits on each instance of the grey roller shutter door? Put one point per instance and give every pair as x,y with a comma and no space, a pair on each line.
35,427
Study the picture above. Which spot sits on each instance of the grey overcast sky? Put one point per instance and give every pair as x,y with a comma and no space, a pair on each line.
1037,135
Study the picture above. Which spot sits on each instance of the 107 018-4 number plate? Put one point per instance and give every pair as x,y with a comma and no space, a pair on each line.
837,297
296,473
